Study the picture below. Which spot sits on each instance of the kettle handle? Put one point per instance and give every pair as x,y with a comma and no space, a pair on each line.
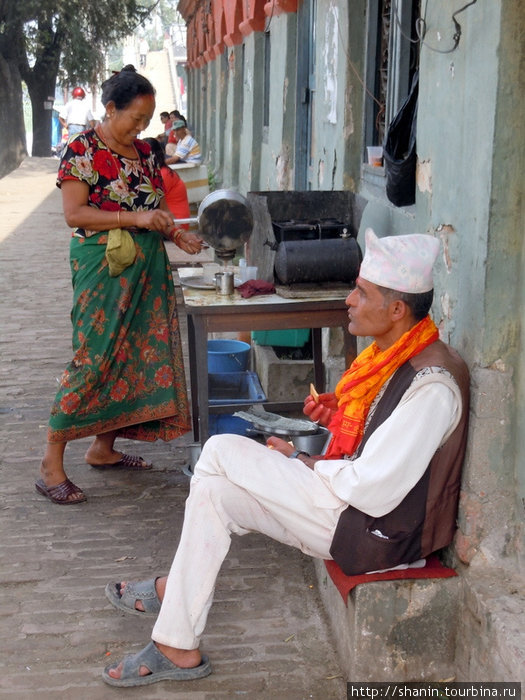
194,220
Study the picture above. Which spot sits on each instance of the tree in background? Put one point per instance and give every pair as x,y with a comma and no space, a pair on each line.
45,40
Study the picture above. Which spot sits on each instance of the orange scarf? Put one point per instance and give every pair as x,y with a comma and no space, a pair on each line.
360,384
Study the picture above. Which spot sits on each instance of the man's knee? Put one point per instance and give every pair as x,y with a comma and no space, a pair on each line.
215,444
231,455
218,448
210,457
218,498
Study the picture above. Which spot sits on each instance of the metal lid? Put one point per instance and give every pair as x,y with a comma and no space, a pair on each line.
274,424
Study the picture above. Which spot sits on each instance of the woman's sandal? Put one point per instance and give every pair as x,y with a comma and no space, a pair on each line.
144,591
132,463
160,667
61,492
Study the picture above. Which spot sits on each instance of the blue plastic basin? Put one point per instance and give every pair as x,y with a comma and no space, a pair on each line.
226,355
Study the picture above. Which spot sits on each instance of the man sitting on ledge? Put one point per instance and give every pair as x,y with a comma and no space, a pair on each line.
384,494
186,150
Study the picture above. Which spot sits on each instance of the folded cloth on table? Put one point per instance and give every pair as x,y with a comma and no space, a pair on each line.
252,287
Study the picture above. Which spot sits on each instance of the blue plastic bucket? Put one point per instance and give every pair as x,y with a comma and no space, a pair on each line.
227,355
234,387
228,423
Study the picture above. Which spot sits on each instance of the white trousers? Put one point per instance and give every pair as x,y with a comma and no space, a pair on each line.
239,486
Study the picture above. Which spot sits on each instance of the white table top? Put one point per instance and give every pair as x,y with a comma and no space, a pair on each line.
211,298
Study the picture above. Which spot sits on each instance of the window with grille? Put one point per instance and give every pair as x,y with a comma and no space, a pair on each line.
391,61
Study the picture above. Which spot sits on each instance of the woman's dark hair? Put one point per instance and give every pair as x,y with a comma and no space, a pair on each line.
419,304
123,87
157,151
178,115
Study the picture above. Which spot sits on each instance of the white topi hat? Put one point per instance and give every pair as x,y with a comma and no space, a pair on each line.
402,263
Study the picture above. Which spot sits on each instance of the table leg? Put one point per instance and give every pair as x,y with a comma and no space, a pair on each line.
201,378
317,354
193,379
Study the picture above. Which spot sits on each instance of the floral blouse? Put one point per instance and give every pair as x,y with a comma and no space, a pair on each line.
115,182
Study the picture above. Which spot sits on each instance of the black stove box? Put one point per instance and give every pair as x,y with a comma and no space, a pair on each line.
298,215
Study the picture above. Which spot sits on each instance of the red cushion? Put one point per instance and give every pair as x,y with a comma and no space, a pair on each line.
344,584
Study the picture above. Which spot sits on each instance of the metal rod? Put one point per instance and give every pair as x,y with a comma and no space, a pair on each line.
195,220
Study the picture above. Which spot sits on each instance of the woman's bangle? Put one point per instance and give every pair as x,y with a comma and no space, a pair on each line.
178,234
118,218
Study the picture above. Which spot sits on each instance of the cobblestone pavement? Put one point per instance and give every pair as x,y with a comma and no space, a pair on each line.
266,634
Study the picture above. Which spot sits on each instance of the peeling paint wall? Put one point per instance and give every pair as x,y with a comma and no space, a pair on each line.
468,197
330,64
278,146
330,131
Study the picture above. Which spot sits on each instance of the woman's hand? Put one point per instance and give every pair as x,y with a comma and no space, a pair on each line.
189,242
154,220
322,409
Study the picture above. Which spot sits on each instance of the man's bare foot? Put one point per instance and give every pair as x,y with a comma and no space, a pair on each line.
184,658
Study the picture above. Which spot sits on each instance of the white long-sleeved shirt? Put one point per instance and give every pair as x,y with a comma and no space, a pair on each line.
399,450
77,112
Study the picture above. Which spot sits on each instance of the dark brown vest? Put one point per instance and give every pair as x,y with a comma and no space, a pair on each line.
425,520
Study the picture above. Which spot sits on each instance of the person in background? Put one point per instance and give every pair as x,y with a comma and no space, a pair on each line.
175,116
175,193
187,150
384,494
172,140
56,134
76,115
167,123
143,52
126,378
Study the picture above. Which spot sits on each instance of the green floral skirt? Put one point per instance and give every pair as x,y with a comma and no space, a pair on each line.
127,371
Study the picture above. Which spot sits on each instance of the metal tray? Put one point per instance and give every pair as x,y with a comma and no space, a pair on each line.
198,282
274,424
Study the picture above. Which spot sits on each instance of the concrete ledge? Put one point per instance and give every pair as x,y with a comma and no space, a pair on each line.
195,177
491,634
401,630
282,380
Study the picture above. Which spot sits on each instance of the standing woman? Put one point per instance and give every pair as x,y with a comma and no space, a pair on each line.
126,377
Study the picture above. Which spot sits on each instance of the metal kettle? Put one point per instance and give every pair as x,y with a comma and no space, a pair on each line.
225,221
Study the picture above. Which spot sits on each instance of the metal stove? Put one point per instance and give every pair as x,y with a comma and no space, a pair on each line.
315,250
305,238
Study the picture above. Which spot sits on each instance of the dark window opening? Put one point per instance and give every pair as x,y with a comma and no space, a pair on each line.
393,58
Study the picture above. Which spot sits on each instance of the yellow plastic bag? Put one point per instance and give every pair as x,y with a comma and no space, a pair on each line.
120,251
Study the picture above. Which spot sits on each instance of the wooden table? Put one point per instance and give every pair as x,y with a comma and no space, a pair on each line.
209,312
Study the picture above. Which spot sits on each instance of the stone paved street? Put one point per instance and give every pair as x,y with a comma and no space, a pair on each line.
266,635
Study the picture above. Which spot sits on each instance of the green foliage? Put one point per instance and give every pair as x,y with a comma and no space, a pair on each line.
42,41
76,32
72,34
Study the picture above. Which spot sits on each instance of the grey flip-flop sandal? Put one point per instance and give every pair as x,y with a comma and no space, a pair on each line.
162,669
144,591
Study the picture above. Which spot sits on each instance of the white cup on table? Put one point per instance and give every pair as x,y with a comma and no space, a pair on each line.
248,272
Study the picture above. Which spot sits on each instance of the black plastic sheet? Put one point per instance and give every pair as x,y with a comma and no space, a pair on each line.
399,151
